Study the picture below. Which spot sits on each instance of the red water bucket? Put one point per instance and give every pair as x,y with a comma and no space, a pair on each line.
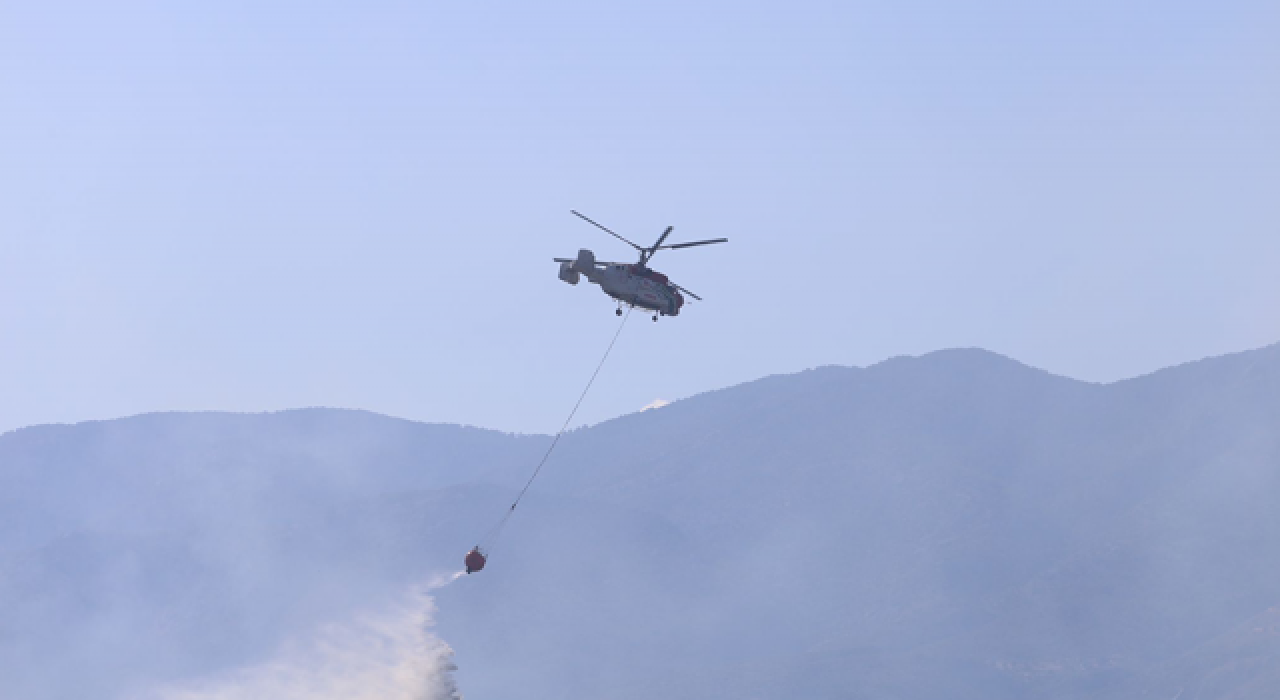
474,560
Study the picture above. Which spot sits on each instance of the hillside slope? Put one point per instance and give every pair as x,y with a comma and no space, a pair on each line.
954,525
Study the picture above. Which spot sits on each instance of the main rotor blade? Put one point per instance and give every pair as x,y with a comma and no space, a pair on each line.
663,237
602,228
692,243
695,296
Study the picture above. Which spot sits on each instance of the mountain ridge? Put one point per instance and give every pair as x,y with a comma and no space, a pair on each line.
955,523
943,354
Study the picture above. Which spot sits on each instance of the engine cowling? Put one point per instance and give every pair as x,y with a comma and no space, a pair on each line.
568,273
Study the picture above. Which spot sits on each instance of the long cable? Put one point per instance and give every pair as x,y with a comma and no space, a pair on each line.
547,455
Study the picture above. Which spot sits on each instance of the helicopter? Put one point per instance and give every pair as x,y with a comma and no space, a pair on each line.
632,284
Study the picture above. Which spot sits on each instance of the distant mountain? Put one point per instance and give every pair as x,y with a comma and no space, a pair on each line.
954,525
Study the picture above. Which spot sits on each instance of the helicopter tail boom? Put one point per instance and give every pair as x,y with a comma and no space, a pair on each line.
572,269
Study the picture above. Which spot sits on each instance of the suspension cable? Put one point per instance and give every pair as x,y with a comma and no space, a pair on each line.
493,533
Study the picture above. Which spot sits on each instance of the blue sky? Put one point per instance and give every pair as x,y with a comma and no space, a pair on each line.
263,205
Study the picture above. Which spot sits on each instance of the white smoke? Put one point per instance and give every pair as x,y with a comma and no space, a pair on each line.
390,655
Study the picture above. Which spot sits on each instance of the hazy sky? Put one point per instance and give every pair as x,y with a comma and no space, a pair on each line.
262,205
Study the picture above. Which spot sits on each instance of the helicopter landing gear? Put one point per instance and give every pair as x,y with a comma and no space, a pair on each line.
655,318
617,311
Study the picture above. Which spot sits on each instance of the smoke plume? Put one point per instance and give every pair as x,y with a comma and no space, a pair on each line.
390,655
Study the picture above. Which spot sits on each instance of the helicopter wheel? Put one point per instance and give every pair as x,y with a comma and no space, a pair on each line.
617,312
655,318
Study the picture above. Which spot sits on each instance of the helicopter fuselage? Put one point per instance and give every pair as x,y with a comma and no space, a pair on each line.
634,285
